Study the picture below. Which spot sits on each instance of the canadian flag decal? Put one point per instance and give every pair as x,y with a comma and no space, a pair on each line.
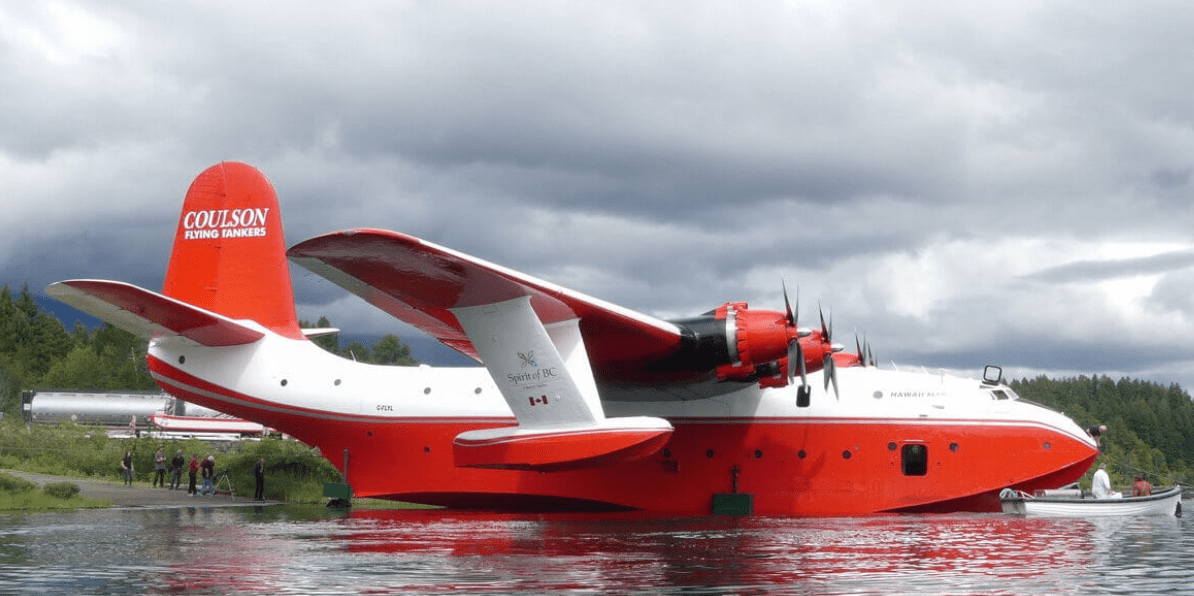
538,401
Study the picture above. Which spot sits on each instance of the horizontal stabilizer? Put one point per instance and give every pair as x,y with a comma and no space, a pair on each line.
151,315
310,332
614,440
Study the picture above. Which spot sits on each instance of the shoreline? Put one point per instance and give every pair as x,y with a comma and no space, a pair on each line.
140,494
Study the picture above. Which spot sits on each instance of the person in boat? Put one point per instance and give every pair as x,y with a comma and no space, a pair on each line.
1100,484
1142,488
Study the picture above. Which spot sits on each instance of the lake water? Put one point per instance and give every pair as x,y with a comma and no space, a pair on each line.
312,550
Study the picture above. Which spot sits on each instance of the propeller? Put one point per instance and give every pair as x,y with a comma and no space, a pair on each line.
830,369
795,352
865,357
766,346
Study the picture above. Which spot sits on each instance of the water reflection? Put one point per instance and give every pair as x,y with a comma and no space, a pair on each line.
303,550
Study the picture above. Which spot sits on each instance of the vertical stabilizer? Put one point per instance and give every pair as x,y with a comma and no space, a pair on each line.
229,255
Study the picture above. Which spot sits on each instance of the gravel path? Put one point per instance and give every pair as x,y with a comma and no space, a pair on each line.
140,494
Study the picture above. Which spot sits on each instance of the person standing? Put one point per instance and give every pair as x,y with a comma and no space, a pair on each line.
159,468
194,469
259,476
208,468
126,464
176,469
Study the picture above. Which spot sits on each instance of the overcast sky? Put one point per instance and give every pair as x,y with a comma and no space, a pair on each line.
965,183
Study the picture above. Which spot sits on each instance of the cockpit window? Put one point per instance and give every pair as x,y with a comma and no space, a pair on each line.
1000,394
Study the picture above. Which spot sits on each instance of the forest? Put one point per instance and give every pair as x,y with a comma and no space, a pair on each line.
1150,426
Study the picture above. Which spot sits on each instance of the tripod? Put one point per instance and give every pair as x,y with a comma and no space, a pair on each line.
223,484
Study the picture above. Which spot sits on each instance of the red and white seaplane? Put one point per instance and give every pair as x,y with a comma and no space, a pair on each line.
580,404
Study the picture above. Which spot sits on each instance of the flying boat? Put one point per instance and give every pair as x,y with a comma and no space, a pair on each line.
578,404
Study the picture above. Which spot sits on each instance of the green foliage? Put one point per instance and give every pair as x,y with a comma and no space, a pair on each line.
12,484
61,490
389,350
37,351
20,494
1150,427
294,472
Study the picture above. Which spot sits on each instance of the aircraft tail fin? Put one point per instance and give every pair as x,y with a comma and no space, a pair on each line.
229,254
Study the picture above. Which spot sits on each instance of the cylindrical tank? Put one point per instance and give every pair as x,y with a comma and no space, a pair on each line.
108,409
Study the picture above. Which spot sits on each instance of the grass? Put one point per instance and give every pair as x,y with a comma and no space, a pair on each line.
294,472
18,494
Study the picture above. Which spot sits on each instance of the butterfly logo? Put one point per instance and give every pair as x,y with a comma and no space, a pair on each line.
528,359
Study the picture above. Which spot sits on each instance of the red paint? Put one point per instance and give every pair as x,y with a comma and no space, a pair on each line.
413,459
557,451
229,254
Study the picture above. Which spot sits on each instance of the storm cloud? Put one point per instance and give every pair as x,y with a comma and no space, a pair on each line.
974,183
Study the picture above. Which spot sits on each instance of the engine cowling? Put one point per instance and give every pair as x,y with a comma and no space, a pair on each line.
742,344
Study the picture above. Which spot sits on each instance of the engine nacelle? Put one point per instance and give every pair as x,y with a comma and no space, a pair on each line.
747,345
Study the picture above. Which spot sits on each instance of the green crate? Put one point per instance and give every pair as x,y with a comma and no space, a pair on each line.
733,504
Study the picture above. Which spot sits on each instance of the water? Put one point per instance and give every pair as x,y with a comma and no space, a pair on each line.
311,550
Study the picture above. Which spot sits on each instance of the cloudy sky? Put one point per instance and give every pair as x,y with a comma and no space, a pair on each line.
965,183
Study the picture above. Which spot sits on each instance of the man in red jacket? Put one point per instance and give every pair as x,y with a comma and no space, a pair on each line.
1142,488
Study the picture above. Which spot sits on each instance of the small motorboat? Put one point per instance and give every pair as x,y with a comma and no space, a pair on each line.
1073,503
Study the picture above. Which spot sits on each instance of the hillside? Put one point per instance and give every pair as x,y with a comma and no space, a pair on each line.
1150,427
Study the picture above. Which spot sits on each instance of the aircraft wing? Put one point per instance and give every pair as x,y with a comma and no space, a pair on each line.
421,283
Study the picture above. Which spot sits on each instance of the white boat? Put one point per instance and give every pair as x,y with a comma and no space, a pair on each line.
1073,503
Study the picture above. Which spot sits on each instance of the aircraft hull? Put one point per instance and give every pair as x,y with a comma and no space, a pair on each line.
792,465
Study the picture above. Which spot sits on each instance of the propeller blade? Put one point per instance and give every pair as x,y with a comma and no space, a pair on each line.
826,366
803,368
830,375
793,354
833,377
826,330
788,306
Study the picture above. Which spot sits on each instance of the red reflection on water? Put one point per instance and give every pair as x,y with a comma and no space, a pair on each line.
443,551
619,551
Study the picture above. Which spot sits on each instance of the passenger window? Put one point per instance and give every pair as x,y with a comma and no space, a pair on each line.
915,459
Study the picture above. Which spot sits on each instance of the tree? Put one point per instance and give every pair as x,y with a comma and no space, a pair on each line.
1150,427
82,368
328,342
390,350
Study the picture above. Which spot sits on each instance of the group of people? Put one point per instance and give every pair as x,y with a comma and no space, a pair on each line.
1100,483
205,469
